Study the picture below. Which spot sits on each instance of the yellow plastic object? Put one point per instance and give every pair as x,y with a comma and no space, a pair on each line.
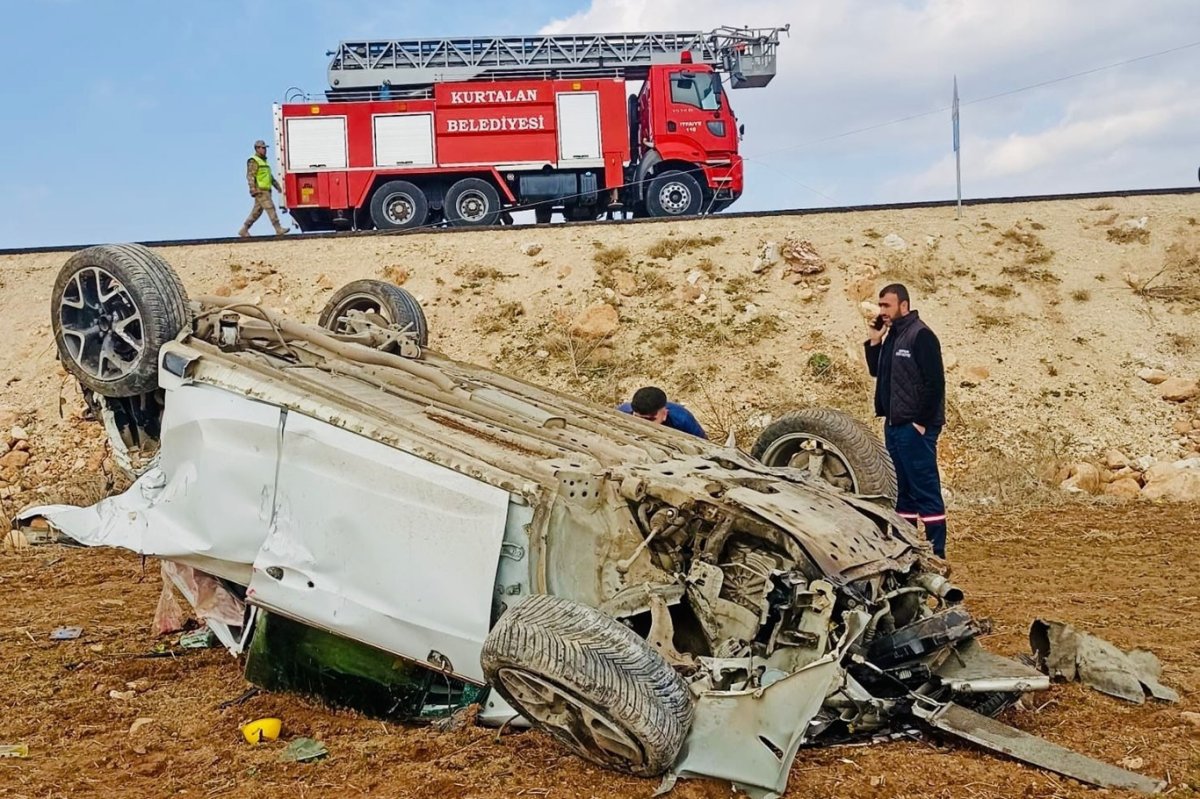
262,730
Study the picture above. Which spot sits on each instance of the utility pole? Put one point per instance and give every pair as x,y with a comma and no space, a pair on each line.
957,153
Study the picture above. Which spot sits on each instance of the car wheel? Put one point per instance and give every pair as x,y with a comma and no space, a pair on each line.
831,445
398,205
472,202
112,307
590,682
673,193
391,304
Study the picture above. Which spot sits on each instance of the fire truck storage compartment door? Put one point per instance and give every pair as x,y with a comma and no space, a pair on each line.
404,140
579,128
316,143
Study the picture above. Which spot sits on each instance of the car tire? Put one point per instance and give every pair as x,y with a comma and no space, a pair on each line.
395,305
112,308
472,202
673,193
855,459
399,205
589,682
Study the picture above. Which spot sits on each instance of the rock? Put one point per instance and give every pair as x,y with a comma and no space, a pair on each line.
625,283
123,696
238,282
18,434
8,418
950,363
597,322
1135,224
1133,763
21,446
1115,459
1152,376
690,293
17,459
1083,478
1183,428
977,373
396,274
1106,476
603,355
801,257
869,310
611,297
542,354
1190,718
223,291
1143,463
15,540
1123,488
767,257
806,294
1177,482
323,282
563,271
894,242
138,724
531,248
750,311
1179,389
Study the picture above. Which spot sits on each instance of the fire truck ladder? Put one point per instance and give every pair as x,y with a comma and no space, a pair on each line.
410,65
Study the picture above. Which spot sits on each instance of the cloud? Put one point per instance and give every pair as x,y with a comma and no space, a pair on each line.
858,63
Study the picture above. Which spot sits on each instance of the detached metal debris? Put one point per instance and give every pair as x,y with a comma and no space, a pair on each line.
388,528
1068,654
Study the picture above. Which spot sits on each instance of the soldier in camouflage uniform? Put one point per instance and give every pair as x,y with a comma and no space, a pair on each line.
260,180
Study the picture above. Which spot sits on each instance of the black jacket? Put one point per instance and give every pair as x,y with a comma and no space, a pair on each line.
910,382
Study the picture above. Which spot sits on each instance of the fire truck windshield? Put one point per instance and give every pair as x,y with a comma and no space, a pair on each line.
698,89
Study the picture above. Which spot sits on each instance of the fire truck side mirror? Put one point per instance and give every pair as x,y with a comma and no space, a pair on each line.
741,130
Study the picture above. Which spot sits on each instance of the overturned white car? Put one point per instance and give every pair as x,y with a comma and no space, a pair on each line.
660,604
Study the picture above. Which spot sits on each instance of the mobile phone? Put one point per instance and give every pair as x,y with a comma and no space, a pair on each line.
878,322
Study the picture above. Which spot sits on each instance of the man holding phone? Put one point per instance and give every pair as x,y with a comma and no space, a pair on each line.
905,358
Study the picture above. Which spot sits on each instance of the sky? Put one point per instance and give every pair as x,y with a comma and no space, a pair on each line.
131,120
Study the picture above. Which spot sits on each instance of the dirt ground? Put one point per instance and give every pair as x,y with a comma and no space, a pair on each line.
1127,574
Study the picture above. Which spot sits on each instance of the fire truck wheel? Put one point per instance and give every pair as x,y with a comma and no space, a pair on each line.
113,306
472,202
673,193
398,205
392,304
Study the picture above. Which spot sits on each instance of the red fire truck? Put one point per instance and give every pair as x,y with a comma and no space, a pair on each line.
465,131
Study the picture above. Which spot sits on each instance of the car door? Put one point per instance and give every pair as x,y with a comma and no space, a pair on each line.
382,547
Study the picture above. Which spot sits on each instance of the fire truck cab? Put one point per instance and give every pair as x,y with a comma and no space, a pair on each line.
464,132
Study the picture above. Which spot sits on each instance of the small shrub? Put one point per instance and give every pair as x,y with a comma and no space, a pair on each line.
1081,295
668,248
610,256
986,319
1102,207
819,363
503,317
1002,291
1129,235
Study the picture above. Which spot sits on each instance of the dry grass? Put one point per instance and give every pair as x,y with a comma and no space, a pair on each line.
1027,273
477,273
1001,291
1034,251
1179,278
1105,206
741,289
667,248
1020,475
986,319
1124,234
502,318
610,256
1081,295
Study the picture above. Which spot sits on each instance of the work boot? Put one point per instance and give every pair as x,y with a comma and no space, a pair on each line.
281,231
244,232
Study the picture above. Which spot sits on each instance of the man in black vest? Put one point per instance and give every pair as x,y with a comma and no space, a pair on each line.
905,358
